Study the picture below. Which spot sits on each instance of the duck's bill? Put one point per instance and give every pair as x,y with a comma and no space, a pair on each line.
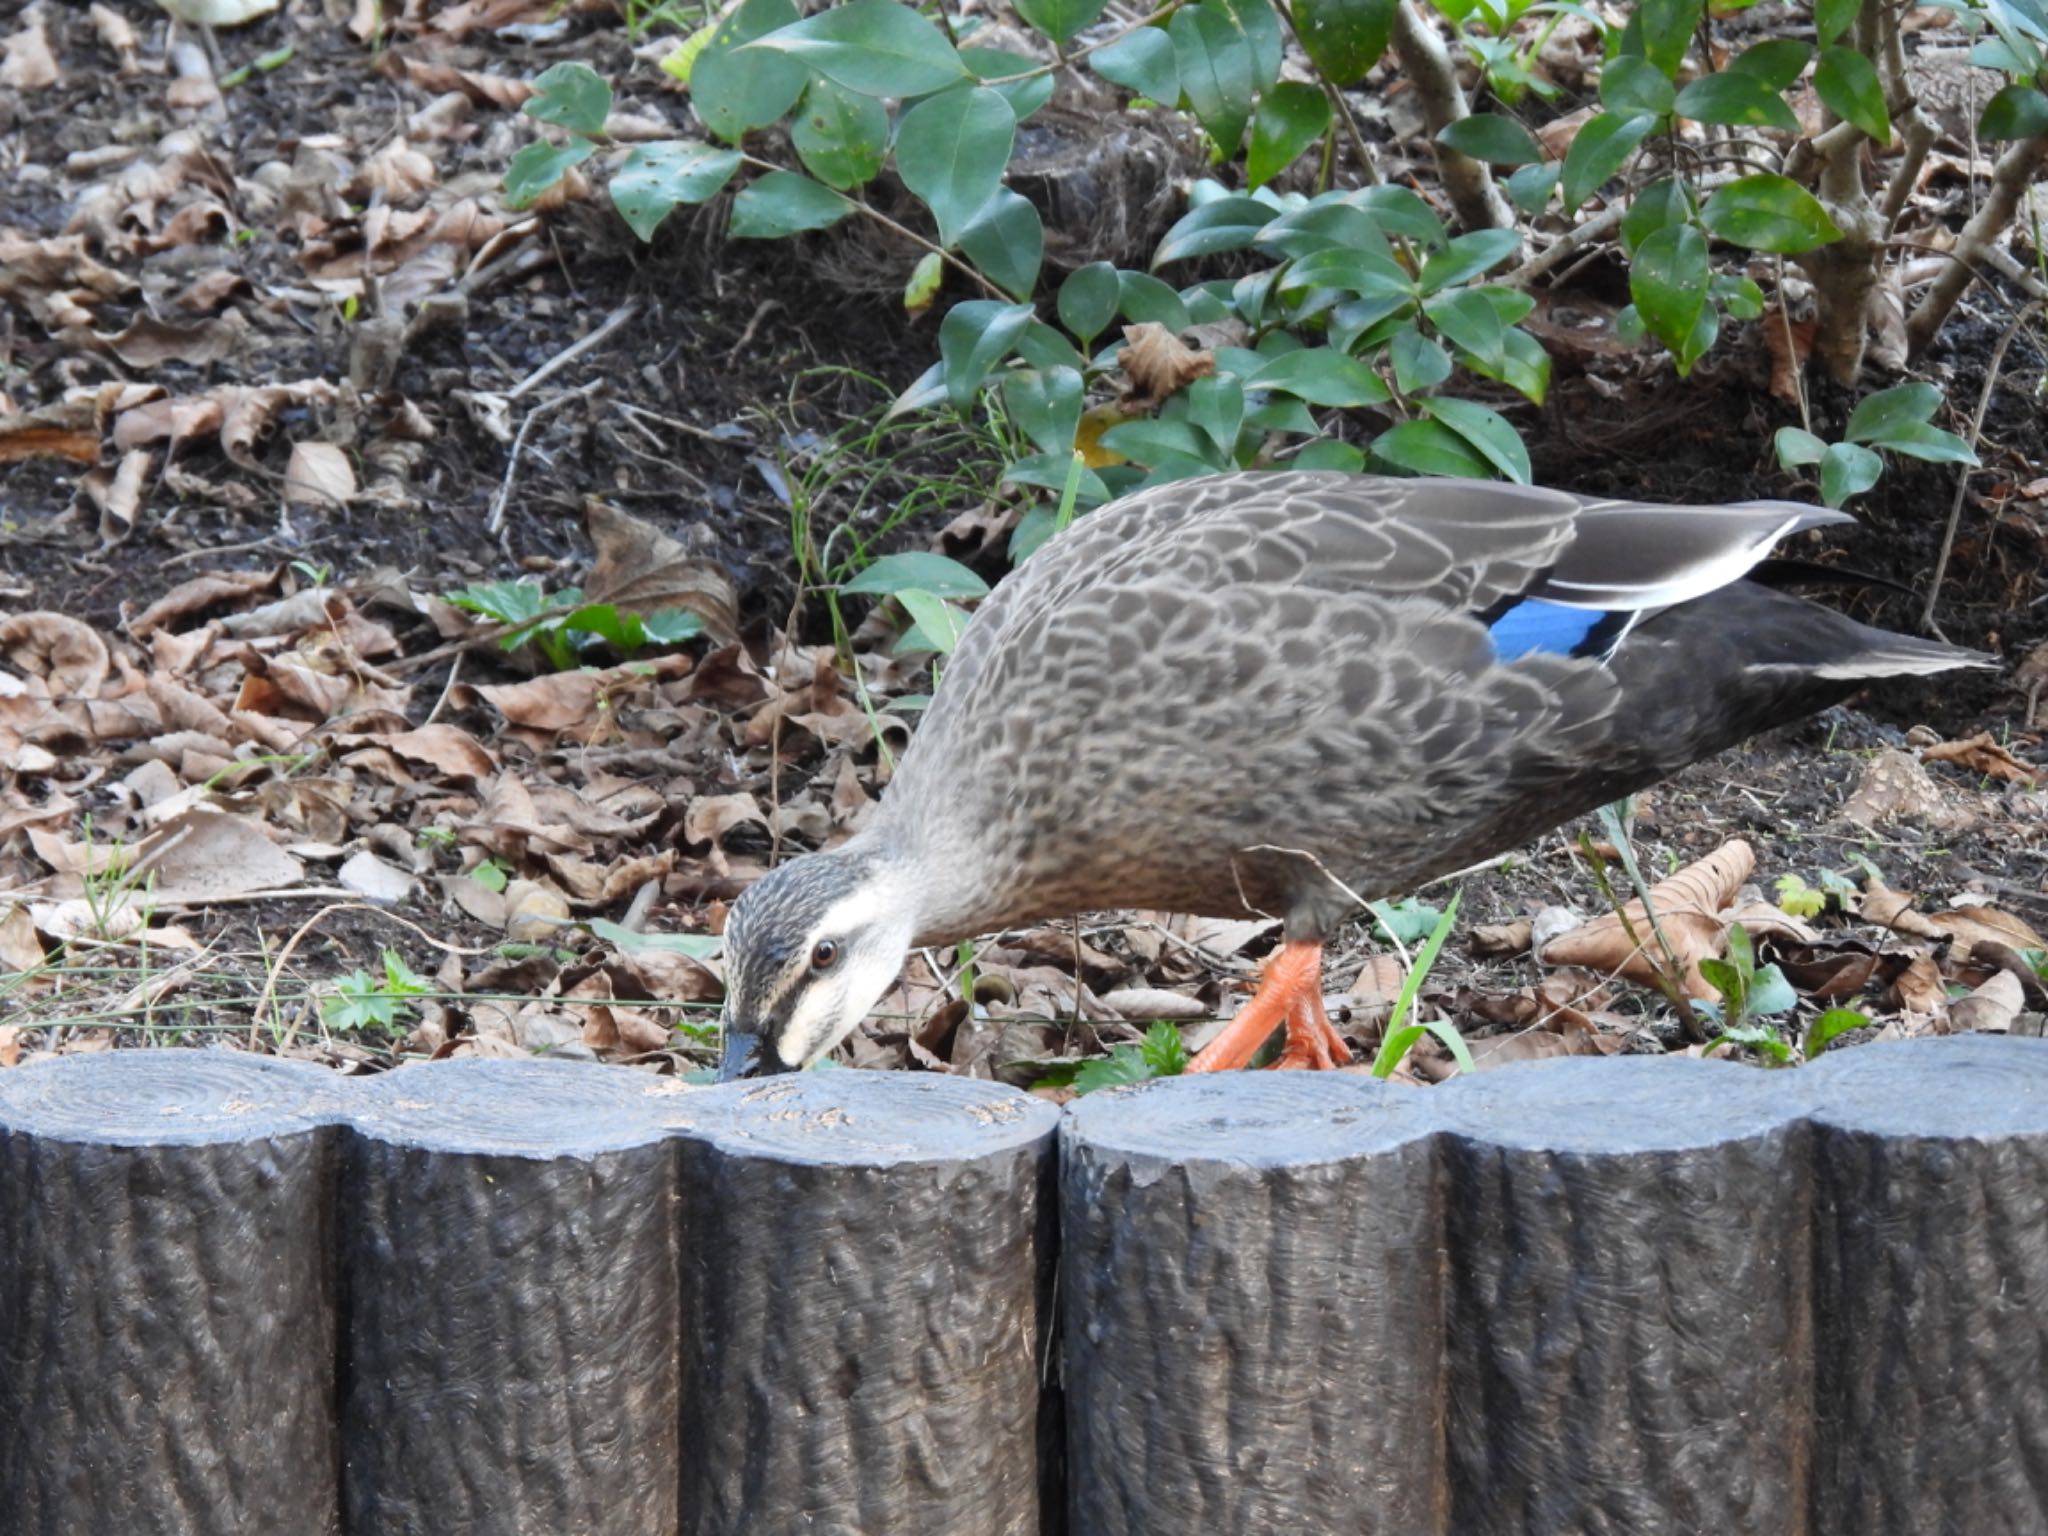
744,1055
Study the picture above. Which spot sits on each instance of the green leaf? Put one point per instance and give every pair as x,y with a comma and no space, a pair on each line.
1487,431
1531,187
539,166
1881,414
1165,1053
2017,112
1660,205
784,203
1777,62
1836,1021
1123,1065
1142,297
1831,18
917,569
1419,363
840,135
951,151
657,177
736,89
1153,441
1770,993
1766,212
1494,138
1006,240
1143,62
1401,1035
1290,118
1466,257
925,280
1430,447
1796,447
1043,347
1327,453
1738,99
1401,211
1059,19
1404,922
1524,365
876,47
572,96
1668,27
939,623
1848,85
1631,84
1344,38
1216,405
1224,224
1469,320
1847,470
1918,440
1217,71
975,335
1024,96
1739,294
1089,298
1321,376
1047,405
1668,282
1598,152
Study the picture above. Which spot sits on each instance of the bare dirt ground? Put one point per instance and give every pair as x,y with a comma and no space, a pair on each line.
261,773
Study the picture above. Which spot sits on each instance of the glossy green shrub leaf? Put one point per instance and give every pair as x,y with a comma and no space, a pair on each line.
1429,447
926,278
1767,212
1043,347
1024,96
1059,19
1598,151
1468,256
1154,441
1493,137
1321,376
1889,409
1049,471
784,203
1777,62
1632,84
936,625
1216,405
1847,83
1222,224
1737,99
1364,272
1321,225
1344,38
1667,31
840,135
1046,404
736,89
1847,469
1831,18
539,166
952,150
1667,280
976,335
572,96
2017,112
1471,322
1487,431
1144,62
1524,366
1327,453
1796,447
1923,440
1290,117
1006,240
1141,297
657,177
917,570
1419,363
1089,298
1218,71
1659,205
1532,187
1739,295
1399,210
876,47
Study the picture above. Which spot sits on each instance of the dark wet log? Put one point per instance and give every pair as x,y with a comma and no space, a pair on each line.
1931,1290
1251,1291
508,1253
867,1279
167,1307
1626,1333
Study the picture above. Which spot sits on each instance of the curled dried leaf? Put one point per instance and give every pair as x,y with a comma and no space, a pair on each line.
1690,910
1156,364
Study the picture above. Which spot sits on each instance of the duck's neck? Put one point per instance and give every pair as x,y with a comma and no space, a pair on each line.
931,875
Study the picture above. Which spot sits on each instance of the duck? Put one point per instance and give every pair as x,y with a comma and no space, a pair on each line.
1283,693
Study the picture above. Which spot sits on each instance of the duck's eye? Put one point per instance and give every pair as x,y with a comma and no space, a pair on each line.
823,953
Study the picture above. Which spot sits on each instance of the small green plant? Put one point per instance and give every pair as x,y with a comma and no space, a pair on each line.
1836,1021
1799,899
1900,420
1401,1036
1751,997
1162,1053
563,626
362,1001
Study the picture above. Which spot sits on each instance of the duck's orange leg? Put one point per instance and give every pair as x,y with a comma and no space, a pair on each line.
1290,992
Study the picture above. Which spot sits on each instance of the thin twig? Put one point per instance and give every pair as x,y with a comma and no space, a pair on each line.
574,350
1579,236
496,523
1955,508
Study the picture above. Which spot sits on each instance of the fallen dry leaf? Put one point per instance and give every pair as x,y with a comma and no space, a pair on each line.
1157,364
642,569
1981,754
29,65
1991,1009
1920,990
1689,909
319,475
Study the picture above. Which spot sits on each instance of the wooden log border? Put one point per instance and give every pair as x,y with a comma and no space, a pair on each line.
245,1296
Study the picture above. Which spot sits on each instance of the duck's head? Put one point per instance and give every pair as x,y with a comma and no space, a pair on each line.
809,949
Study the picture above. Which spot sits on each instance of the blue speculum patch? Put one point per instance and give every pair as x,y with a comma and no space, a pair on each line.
1535,624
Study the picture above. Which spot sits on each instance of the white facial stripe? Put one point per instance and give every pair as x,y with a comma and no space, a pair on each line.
872,940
